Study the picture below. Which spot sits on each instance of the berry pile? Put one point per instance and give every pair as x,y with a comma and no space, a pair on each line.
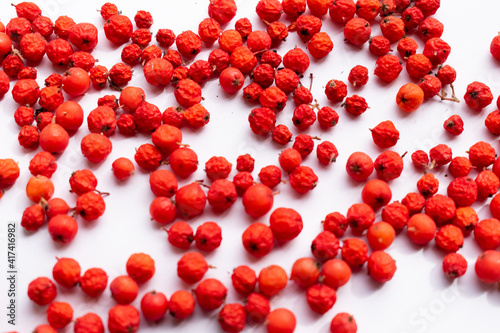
288,113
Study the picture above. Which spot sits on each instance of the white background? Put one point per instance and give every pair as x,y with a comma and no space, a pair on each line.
418,299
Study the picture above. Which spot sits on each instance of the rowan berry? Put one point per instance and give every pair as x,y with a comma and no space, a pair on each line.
387,7
173,116
258,41
180,235
123,318
99,76
388,67
66,272
62,228
487,184
231,80
280,320
269,10
84,36
336,91
90,206
429,28
17,28
388,165
290,159
26,92
192,267
245,163
396,214
42,291
258,239
343,323
454,125
154,305
28,137
123,289
466,219
440,208
94,282
76,81
147,118
125,124
33,47
107,10
69,115
428,185
393,28
376,193
449,238
418,66
357,31
257,307
188,44
221,195
460,166
143,19
222,10
407,47
487,266
82,181
303,117
437,50
183,162
196,116
118,29
496,167
421,229
209,31
321,298
381,266
162,210
463,191
307,26
385,134
414,202
89,322
327,153
428,7
354,252
430,85
59,314
487,234
325,246
281,134
12,65
359,166
262,120
9,172
258,200
187,93
95,147
454,265
303,179
39,187
151,52
190,200
243,59
173,57
219,60
278,32
244,280
342,11
379,45
409,97
297,60
33,217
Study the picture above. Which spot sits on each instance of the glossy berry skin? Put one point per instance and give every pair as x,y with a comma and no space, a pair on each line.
154,305
123,289
281,320
487,266
343,323
421,229
381,266
258,200
335,273
190,200
359,166
305,272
